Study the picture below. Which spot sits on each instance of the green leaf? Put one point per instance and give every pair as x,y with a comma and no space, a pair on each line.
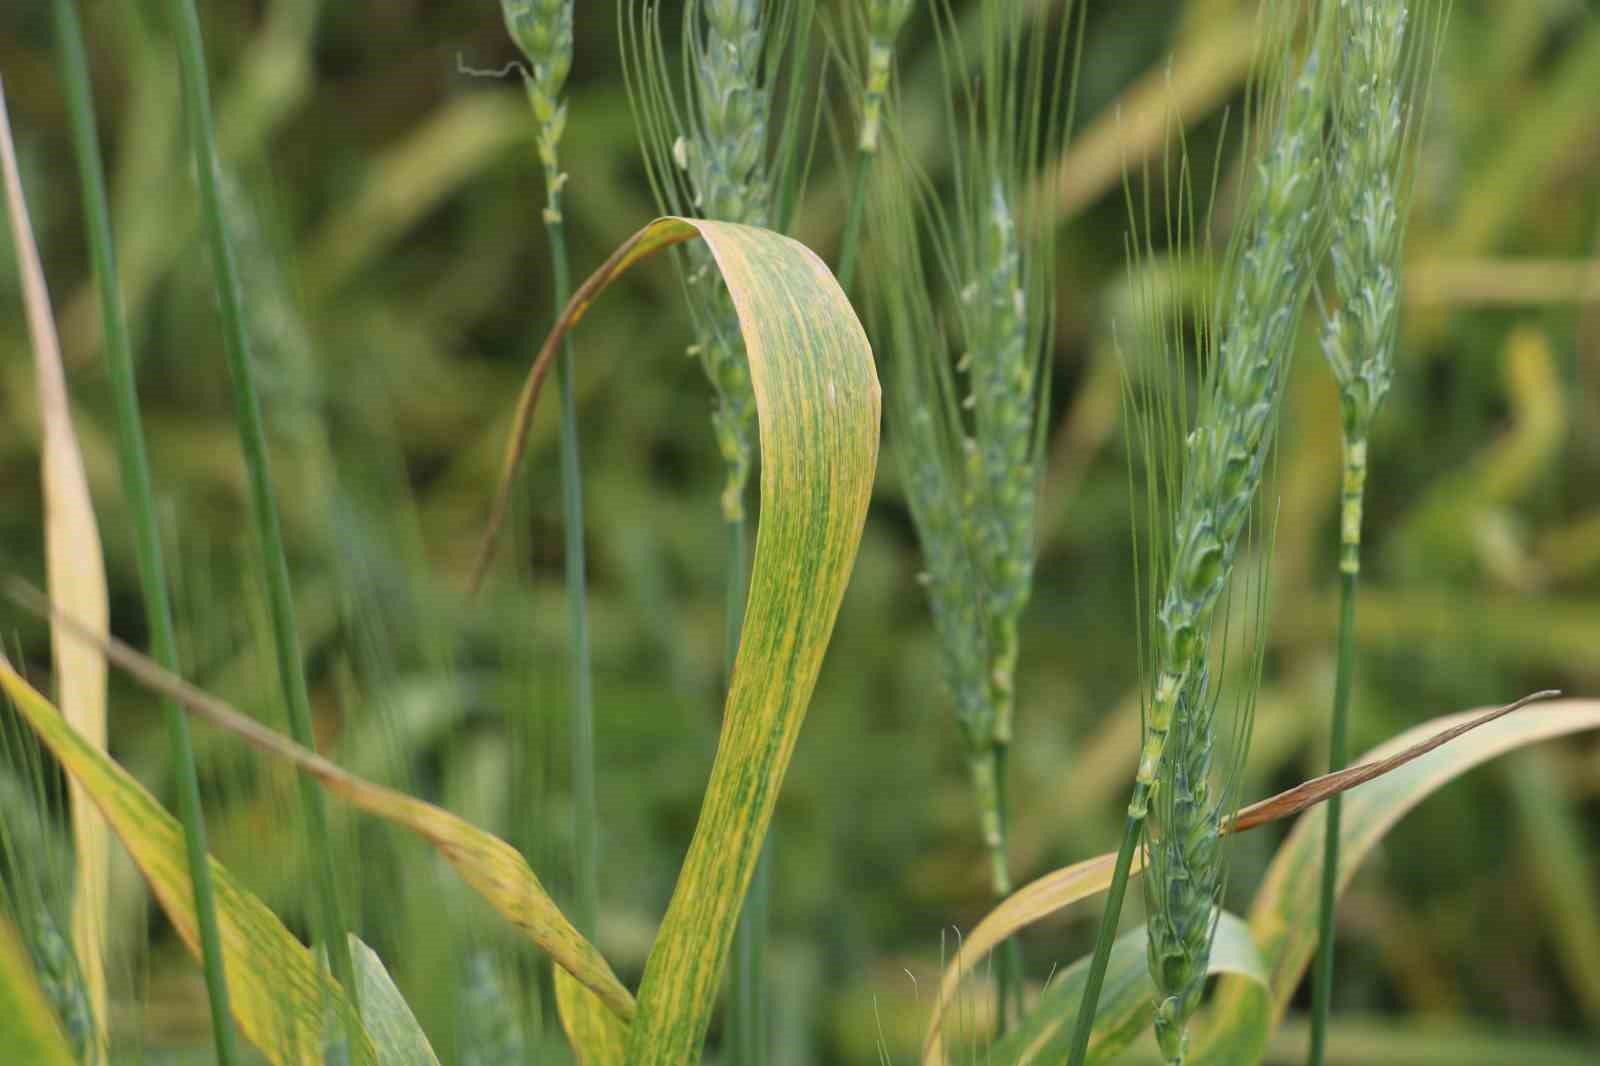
276,987
1127,1000
1283,918
29,1030
818,405
398,1038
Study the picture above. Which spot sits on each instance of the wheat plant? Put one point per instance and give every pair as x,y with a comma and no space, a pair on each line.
1269,276
974,423
1379,58
542,30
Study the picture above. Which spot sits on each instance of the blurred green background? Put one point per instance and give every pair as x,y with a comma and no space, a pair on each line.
386,201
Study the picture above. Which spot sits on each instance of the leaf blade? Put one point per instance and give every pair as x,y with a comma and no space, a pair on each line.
77,579
276,987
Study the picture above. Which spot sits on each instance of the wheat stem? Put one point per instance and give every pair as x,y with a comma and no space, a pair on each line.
264,510
1359,339
141,501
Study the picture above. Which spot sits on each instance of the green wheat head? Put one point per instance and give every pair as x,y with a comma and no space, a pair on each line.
722,148
965,305
542,30
1381,59
1206,460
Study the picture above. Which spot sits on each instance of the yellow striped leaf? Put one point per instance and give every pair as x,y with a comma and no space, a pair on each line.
599,1037
490,866
818,405
277,988
77,575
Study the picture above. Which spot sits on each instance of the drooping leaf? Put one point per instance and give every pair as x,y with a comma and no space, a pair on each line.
29,1030
818,406
396,1036
1283,916
277,989
77,581
1126,1001
490,866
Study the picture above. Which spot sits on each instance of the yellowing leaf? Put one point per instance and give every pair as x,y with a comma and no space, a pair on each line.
278,990
29,1030
490,866
599,1037
1283,918
818,405
77,582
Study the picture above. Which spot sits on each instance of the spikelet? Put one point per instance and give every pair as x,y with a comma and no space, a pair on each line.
542,30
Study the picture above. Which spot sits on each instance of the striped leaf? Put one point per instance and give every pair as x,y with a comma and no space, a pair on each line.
818,405
278,990
490,866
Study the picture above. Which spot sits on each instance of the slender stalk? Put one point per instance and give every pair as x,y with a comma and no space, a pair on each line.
1338,755
586,869
1009,977
1371,116
1132,829
252,437
137,487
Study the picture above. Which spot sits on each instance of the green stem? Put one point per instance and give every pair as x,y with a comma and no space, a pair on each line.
1009,978
137,487
253,442
852,222
586,875
1338,755
1131,832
